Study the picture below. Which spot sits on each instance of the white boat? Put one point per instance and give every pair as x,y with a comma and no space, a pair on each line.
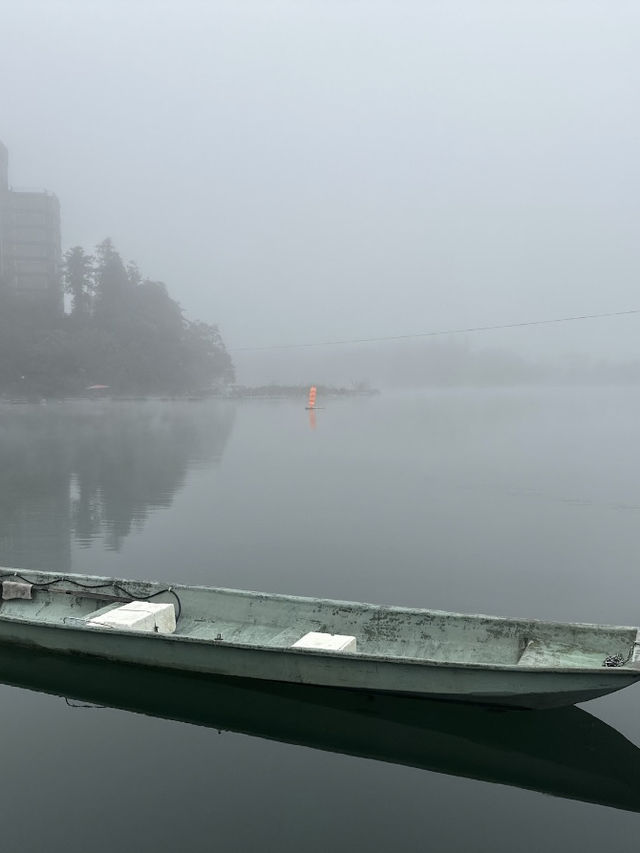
382,649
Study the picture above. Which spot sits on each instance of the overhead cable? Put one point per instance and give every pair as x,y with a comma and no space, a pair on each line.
439,332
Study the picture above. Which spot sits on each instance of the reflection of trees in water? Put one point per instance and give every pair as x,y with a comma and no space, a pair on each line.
35,460
95,470
134,461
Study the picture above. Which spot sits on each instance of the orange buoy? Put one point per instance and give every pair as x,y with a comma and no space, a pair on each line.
312,397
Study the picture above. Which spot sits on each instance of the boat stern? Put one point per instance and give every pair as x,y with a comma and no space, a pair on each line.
635,653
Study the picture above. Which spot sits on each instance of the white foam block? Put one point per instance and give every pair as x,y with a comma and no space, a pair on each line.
326,642
139,616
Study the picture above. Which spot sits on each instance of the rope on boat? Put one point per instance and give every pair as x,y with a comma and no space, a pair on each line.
112,584
618,660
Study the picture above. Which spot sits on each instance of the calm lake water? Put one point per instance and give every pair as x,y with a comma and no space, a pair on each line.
513,502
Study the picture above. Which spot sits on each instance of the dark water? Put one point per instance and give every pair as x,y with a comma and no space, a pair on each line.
519,503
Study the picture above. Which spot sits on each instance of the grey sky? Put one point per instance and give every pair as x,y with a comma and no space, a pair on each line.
313,170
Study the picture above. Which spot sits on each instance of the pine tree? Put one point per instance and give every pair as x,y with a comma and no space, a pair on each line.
78,275
112,286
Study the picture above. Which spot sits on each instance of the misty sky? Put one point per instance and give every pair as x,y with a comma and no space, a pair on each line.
300,171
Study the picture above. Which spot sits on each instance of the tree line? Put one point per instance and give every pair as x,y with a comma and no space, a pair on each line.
123,331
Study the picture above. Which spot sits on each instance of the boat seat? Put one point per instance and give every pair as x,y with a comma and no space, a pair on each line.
137,616
321,641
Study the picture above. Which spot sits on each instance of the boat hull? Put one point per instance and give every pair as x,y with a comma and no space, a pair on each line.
454,682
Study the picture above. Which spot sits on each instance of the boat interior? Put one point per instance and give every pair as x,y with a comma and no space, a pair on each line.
274,621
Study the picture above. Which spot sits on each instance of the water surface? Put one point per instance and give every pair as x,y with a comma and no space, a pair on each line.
513,502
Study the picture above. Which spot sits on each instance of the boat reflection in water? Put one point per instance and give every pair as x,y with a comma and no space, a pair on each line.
564,752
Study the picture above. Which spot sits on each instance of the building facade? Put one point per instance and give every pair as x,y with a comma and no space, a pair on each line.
30,249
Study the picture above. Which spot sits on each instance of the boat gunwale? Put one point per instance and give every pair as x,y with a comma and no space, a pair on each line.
352,605
633,670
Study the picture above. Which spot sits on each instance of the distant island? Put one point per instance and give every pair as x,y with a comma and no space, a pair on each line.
123,333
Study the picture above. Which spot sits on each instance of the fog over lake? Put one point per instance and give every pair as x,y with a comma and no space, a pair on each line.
328,170
426,211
